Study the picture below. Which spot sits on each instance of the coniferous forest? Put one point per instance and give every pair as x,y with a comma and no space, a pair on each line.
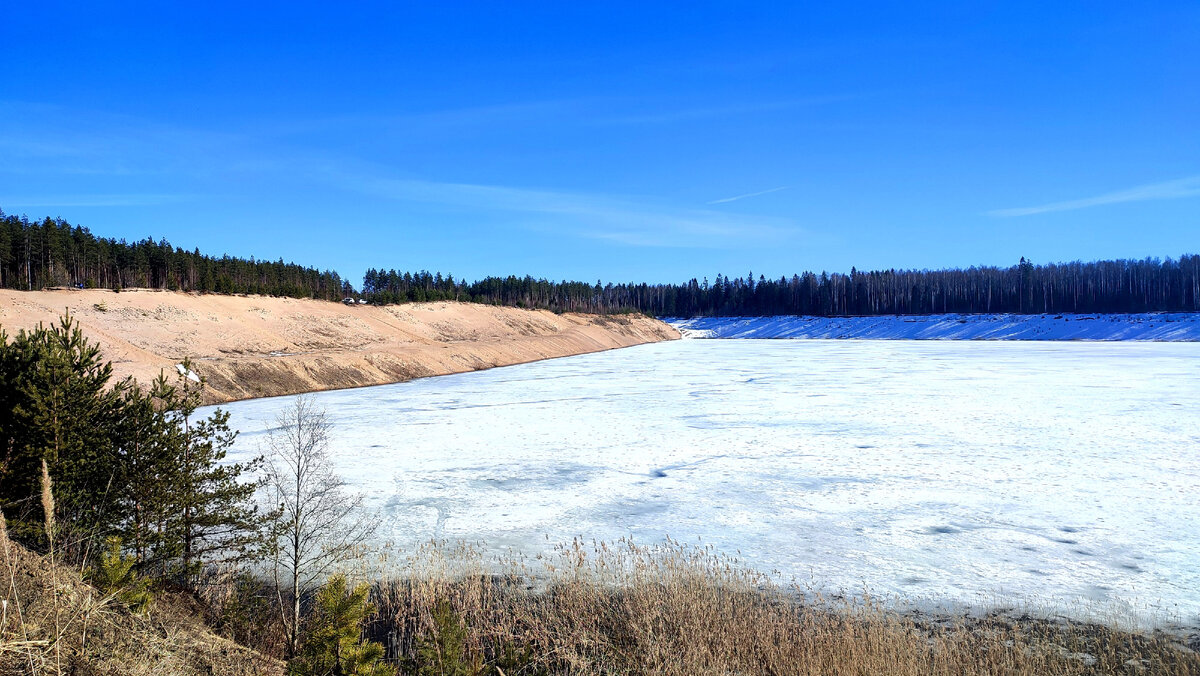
52,252
1150,285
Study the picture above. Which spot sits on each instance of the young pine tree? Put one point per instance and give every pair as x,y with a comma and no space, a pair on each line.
146,444
114,574
334,645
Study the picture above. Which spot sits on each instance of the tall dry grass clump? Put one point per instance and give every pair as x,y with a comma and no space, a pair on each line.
674,609
48,512
55,623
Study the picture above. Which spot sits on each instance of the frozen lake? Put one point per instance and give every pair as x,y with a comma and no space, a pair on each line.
964,471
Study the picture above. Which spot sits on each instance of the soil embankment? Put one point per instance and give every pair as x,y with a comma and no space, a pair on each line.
256,346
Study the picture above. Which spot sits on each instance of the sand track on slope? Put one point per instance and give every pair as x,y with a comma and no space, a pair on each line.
257,346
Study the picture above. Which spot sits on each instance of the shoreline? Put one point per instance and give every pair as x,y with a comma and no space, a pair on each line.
1040,627
422,377
541,571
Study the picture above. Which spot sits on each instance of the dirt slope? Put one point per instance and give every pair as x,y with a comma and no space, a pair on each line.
255,346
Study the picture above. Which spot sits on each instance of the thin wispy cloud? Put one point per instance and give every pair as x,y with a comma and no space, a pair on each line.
1180,188
111,200
749,194
706,112
42,139
615,219
424,122
596,110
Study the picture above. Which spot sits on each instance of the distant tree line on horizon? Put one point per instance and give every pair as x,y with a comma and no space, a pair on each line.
1149,285
52,252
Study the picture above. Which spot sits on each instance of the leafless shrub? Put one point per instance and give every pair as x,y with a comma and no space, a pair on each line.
319,524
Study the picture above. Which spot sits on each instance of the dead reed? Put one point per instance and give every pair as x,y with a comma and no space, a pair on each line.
676,609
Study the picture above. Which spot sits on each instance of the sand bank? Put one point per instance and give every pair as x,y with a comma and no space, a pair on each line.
257,346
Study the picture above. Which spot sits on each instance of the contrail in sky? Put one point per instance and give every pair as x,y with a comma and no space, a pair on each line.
752,194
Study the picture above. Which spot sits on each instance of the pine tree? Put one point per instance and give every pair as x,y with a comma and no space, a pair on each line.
56,406
213,517
444,651
124,462
334,645
145,442
114,574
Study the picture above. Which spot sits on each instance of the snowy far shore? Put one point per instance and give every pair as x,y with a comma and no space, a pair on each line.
1174,327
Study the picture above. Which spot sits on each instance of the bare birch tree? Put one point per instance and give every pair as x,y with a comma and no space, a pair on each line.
320,524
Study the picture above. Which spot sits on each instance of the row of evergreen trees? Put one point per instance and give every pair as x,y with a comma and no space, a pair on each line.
387,287
52,252
1149,285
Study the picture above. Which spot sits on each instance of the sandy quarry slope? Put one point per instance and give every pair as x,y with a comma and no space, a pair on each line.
255,346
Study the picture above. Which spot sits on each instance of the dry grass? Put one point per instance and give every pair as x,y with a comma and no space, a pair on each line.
678,610
597,609
55,623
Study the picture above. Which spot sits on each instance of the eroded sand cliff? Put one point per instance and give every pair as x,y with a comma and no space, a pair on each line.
254,346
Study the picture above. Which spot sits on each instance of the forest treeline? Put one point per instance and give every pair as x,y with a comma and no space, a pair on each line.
1149,285
52,252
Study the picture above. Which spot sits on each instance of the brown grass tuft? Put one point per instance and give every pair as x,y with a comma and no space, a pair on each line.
95,635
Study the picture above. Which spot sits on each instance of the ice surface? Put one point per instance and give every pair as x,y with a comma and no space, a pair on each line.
1148,326
963,471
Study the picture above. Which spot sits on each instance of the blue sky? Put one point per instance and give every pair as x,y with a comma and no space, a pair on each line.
606,140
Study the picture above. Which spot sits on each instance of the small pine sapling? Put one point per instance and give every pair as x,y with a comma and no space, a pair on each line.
114,575
334,644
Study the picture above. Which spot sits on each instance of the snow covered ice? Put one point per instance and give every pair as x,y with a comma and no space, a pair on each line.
962,471
1161,326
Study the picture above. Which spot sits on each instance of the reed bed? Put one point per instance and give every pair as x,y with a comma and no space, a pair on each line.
676,609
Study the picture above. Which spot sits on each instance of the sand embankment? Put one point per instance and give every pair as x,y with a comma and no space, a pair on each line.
256,346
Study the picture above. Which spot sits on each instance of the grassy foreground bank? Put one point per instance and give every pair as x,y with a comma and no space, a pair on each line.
598,609
677,609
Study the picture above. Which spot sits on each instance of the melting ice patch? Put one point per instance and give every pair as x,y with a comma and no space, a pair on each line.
955,470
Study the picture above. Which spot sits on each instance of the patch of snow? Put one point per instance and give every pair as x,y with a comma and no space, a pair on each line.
188,373
1169,327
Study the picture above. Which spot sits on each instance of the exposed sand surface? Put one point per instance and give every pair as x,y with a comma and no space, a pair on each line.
257,346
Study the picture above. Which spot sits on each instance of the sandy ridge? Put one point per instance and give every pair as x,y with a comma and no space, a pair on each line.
256,346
